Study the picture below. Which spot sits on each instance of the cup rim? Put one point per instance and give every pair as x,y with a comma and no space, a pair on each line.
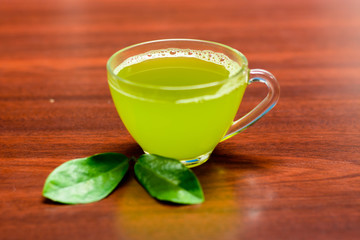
187,87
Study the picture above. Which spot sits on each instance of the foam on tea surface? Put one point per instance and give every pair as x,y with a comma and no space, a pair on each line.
205,55
183,69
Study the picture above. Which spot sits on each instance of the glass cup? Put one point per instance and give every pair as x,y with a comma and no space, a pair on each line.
177,117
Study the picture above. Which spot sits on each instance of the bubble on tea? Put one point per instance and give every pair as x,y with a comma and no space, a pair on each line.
205,55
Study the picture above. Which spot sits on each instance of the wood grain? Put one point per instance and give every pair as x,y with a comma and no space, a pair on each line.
293,175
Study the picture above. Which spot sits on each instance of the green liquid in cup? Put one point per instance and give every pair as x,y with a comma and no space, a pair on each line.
178,103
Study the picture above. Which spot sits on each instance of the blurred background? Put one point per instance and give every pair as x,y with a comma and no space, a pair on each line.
293,175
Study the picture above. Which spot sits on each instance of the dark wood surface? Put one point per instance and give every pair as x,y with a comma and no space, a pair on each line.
295,174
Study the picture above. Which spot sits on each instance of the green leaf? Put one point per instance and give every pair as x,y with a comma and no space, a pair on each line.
87,179
168,180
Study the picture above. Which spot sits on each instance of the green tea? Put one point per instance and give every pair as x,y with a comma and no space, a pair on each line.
170,99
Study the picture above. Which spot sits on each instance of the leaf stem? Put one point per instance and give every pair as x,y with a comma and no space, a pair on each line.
133,158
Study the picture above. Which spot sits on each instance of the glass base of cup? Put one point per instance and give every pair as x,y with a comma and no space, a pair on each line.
190,163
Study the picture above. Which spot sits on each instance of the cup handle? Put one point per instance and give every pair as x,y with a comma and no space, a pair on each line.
263,76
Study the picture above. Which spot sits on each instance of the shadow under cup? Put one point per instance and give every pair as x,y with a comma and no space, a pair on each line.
184,116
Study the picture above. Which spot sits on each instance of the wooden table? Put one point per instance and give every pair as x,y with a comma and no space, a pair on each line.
293,175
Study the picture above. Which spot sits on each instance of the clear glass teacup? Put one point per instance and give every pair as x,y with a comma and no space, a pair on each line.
178,97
